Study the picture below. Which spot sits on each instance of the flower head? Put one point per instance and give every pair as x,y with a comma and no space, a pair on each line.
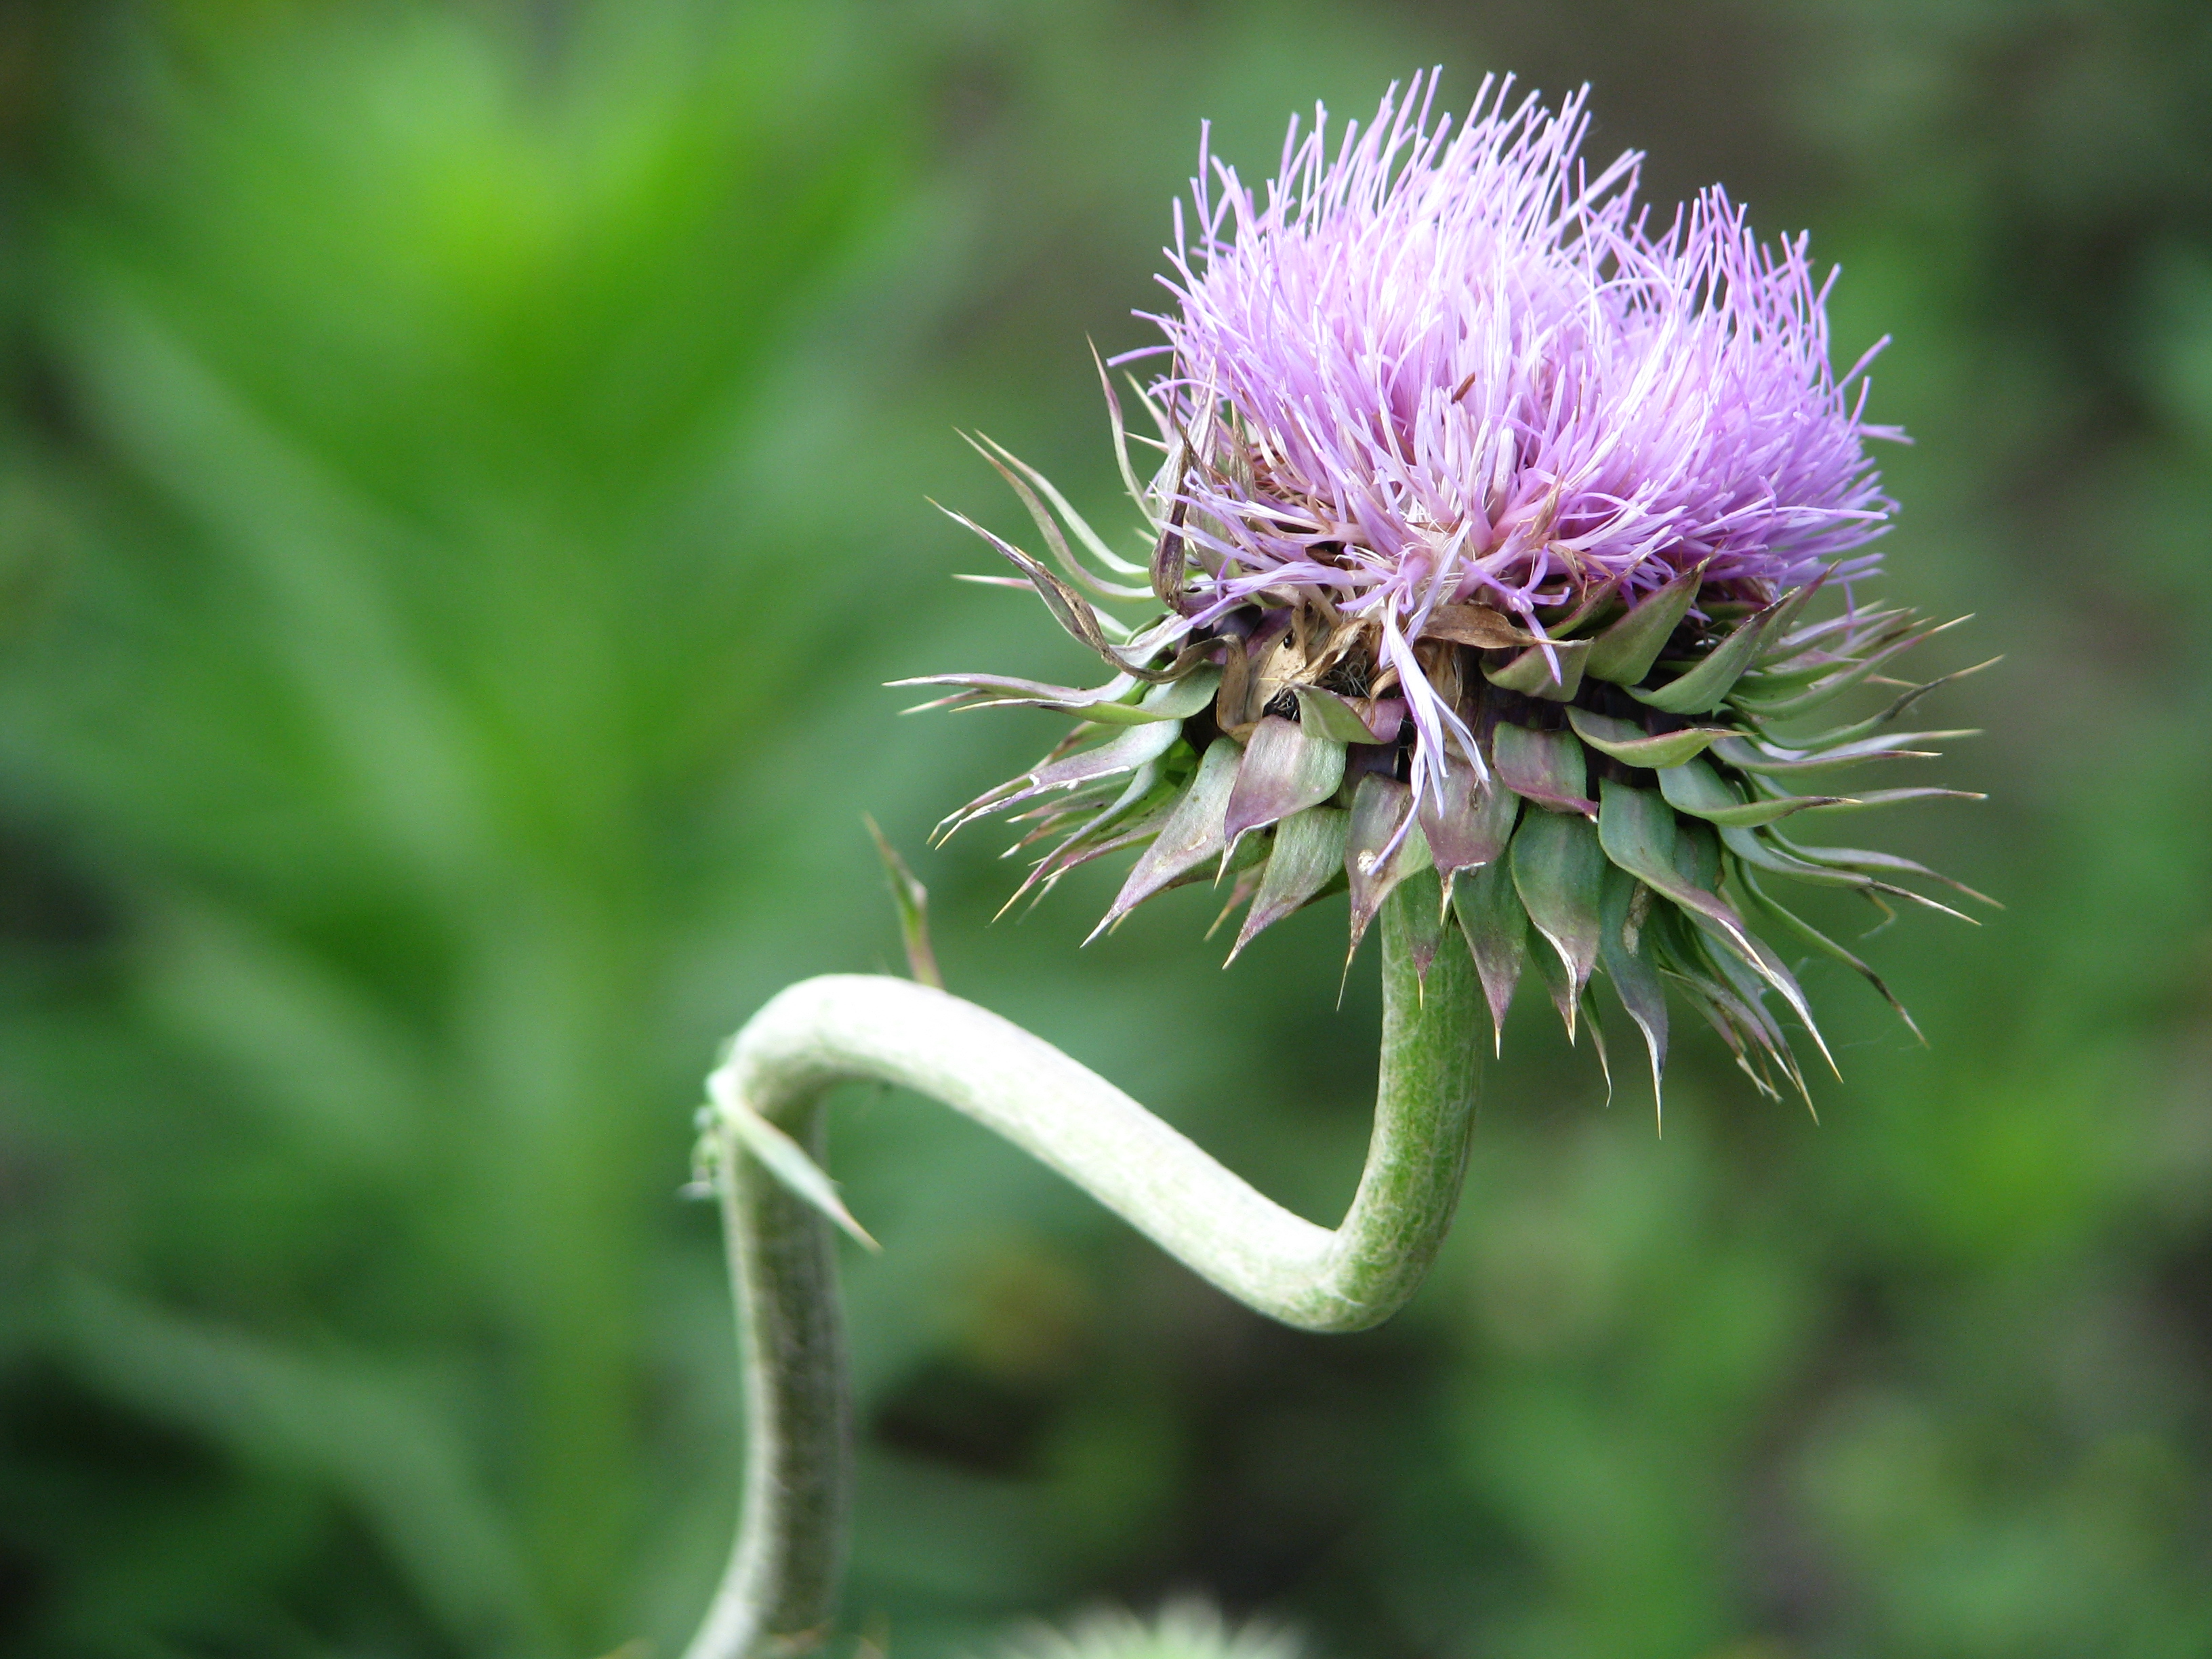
1445,366
1487,527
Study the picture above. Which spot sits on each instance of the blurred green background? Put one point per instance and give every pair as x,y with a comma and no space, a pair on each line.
462,488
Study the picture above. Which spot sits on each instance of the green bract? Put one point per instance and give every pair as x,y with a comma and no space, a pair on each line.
1641,777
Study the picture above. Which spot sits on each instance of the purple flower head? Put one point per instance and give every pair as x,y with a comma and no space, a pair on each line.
1447,365
1485,549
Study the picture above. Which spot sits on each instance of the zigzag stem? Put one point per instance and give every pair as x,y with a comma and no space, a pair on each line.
780,1592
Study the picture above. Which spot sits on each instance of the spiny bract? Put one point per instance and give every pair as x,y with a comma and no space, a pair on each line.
1488,535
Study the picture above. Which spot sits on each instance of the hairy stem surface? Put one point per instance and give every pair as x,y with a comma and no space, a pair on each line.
781,1590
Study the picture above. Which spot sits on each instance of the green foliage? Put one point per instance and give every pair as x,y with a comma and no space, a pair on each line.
463,487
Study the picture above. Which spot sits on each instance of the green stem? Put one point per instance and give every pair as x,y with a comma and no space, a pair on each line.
781,1590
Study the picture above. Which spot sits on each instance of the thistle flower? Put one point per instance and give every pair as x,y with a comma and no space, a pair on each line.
1486,541
1185,1628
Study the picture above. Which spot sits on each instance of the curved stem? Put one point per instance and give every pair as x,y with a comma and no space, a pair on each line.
780,1592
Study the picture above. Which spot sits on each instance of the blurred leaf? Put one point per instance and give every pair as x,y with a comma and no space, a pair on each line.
372,1435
